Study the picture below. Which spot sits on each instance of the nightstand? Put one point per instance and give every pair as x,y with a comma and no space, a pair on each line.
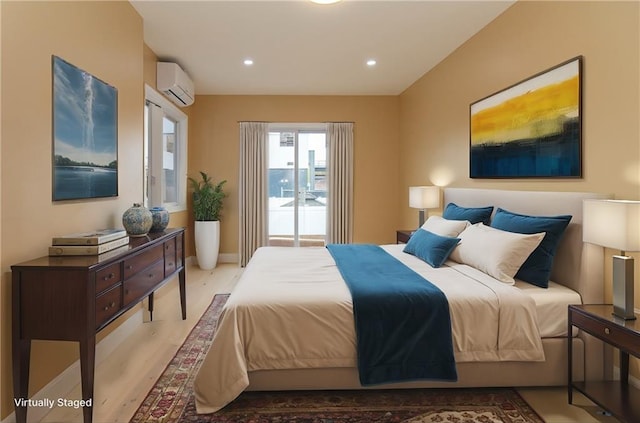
402,236
618,397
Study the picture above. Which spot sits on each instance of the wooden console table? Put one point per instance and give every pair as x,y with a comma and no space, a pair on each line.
72,298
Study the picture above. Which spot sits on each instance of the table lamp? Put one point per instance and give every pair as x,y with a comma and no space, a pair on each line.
422,198
615,224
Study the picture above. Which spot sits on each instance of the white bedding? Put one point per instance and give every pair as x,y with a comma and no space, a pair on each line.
551,306
291,309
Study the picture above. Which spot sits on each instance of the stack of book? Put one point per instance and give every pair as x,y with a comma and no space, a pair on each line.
89,243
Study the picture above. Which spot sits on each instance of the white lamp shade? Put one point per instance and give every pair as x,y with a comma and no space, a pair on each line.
427,197
612,223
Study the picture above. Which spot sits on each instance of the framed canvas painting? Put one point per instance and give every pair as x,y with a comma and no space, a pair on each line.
85,134
532,129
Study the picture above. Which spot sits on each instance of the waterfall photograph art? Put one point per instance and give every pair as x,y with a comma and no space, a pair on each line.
85,134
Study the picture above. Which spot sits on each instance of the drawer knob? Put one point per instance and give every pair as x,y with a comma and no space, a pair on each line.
607,331
112,305
109,276
129,267
150,275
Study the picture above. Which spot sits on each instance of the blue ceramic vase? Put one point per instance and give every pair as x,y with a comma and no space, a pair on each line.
137,220
160,219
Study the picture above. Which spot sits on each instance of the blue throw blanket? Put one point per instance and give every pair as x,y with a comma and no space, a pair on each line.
402,321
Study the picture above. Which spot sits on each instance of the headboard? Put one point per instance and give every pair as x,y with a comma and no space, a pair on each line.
577,265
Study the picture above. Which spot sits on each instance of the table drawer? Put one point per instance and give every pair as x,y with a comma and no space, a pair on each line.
107,277
142,261
142,283
607,331
169,257
108,304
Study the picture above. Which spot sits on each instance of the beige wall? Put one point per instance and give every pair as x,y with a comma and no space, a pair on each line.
214,148
526,39
83,34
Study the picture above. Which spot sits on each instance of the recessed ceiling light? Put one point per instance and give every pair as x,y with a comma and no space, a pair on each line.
248,62
325,1
371,62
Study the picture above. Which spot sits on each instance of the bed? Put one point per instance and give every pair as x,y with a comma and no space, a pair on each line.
289,323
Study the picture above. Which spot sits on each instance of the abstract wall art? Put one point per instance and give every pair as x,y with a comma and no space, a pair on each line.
531,129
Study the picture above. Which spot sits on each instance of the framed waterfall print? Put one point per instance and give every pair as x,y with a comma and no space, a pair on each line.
532,129
85,134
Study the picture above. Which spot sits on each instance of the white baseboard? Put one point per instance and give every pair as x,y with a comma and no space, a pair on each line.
228,258
222,258
62,384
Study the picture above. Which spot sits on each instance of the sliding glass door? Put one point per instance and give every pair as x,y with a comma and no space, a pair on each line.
297,185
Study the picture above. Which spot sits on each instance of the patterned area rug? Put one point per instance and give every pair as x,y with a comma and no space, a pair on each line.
171,399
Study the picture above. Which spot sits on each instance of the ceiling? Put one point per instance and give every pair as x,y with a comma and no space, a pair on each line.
299,47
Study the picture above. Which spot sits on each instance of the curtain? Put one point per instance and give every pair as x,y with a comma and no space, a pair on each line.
254,138
340,181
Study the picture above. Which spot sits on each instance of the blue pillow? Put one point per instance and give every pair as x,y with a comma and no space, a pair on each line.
429,247
537,267
472,214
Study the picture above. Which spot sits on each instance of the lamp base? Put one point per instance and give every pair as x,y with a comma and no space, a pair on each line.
420,218
623,287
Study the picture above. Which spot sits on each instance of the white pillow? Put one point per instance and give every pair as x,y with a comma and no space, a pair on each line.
444,227
495,252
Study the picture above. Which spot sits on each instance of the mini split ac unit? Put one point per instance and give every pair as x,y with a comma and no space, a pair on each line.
175,83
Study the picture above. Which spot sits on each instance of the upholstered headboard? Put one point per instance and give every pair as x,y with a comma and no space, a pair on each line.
577,265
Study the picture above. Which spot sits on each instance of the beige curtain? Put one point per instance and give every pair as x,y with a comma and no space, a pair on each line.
340,179
254,137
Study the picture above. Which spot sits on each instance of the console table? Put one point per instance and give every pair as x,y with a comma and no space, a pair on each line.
72,298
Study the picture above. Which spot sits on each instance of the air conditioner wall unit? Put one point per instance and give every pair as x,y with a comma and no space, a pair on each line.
173,82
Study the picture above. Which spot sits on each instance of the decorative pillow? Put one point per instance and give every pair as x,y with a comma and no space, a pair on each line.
444,227
472,214
429,247
495,252
537,268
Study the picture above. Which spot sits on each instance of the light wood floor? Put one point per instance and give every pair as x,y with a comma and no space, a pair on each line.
123,379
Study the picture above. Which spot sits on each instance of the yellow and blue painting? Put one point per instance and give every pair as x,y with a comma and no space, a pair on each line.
531,129
85,134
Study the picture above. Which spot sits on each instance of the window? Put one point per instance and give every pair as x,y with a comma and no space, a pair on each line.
297,184
165,153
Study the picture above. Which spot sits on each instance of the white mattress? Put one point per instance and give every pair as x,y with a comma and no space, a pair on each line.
551,305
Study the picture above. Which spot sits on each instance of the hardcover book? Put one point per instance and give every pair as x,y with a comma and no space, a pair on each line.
90,238
87,250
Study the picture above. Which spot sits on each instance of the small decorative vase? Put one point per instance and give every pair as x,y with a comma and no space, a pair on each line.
160,219
137,220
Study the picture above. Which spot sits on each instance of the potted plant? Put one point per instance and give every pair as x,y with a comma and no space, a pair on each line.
207,205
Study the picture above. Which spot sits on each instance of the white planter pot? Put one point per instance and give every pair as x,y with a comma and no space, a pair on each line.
207,238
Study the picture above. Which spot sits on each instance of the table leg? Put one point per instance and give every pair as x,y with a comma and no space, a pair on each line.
569,360
183,294
151,306
21,359
624,368
87,369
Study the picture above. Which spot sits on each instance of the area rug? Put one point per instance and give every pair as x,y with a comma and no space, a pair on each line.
171,399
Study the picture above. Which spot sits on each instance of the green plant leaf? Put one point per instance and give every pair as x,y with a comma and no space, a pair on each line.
207,198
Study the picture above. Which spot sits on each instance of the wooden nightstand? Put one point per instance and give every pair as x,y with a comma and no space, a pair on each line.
617,397
402,236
